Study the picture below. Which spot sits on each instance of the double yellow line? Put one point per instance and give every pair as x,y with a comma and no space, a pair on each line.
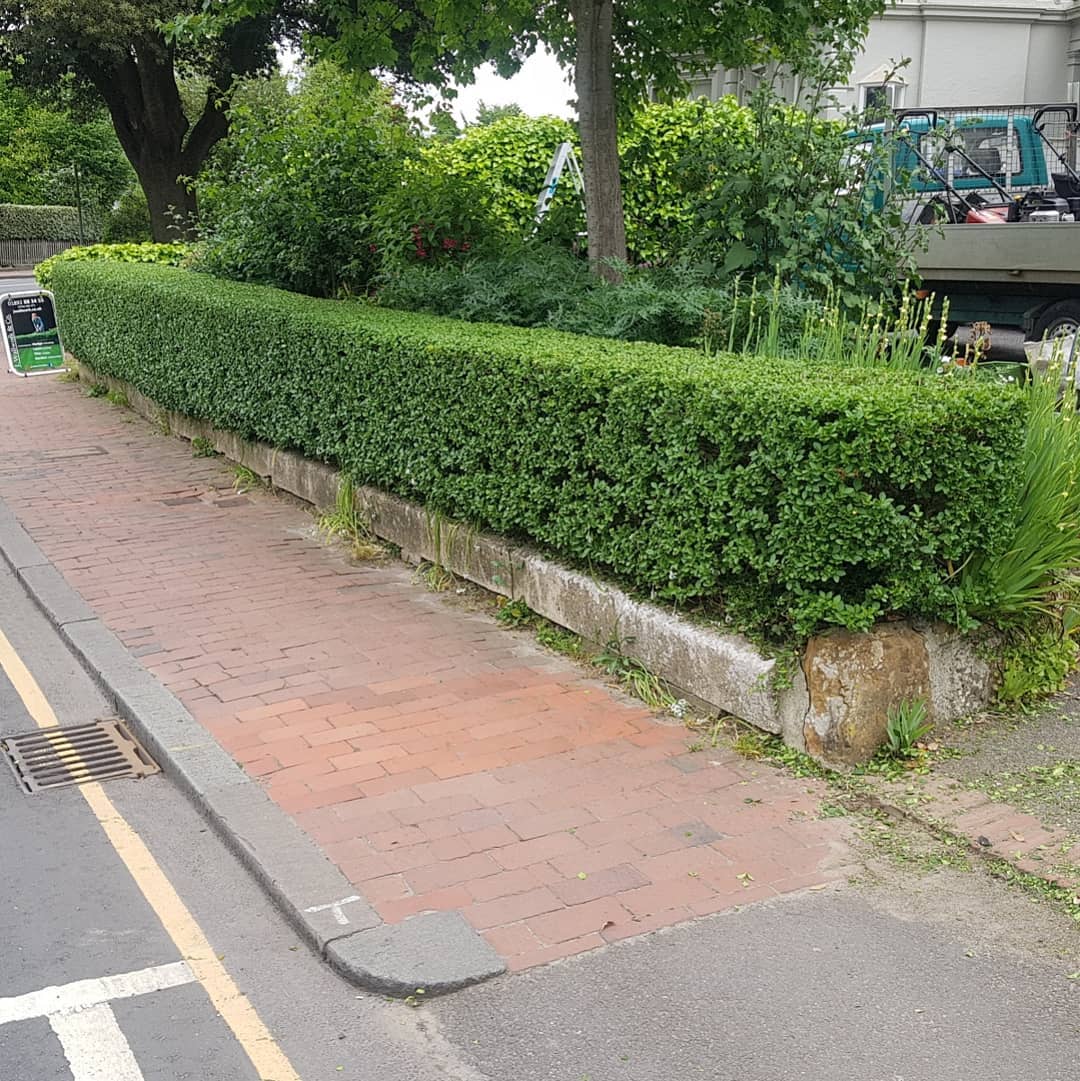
253,1036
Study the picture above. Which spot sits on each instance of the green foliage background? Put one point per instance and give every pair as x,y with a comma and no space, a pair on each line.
41,142
289,200
162,254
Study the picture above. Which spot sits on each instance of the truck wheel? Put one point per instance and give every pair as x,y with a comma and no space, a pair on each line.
1057,320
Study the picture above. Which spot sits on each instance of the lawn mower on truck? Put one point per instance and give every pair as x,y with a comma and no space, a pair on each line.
999,189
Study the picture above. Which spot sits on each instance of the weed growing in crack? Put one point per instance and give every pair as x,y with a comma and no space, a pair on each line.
436,577
515,613
634,676
907,724
246,480
346,522
559,639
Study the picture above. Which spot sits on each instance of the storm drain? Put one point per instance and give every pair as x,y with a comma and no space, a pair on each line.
57,757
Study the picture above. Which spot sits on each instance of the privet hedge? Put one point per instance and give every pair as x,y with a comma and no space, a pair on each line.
796,496
40,222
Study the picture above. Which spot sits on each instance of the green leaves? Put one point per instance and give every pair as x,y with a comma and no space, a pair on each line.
794,494
291,202
162,254
38,222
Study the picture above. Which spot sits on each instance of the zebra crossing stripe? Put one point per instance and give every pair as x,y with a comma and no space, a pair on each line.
83,994
94,1046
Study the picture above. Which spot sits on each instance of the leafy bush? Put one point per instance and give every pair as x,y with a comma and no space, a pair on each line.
40,222
289,202
477,190
661,148
129,221
482,186
793,199
539,285
162,254
810,495
1036,662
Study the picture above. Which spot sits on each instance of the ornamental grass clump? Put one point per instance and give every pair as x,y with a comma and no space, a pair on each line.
1035,574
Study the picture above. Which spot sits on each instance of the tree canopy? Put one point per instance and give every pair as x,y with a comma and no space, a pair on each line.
621,51
43,142
117,53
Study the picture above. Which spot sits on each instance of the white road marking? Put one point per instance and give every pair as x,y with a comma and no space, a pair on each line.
84,994
95,1047
335,908
269,1060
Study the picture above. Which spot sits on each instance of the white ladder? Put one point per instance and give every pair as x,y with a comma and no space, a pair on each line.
564,158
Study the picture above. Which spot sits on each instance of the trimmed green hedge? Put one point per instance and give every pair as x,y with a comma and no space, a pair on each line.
797,496
40,223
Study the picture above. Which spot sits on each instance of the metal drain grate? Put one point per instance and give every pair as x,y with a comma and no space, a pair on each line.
56,757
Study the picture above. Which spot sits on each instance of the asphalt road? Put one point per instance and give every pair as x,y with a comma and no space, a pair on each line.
815,988
909,978
70,911
17,281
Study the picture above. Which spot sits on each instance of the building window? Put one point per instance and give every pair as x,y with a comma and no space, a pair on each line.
880,97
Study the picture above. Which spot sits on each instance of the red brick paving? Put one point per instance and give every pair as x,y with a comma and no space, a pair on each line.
994,828
440,760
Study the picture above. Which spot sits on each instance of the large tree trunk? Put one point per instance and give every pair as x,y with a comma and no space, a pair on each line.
594,82
173,210
159,141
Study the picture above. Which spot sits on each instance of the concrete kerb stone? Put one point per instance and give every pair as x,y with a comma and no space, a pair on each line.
381,957
54,596
320,903
20,552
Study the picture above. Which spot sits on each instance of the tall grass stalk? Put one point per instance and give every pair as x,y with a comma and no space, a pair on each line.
868,336
1037,573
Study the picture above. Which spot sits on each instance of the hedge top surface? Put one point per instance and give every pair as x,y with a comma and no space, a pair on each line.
538,345
795,495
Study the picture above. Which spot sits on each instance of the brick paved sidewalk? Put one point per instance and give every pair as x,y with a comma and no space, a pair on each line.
440,760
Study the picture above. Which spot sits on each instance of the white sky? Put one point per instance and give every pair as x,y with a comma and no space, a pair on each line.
541,88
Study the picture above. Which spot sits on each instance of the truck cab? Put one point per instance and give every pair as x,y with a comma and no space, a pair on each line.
1004,146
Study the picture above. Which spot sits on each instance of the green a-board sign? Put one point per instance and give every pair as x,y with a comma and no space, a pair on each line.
31,335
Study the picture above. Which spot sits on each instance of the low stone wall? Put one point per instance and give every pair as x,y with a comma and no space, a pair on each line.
832,704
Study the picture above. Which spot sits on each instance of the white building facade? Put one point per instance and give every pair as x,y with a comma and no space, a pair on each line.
958,52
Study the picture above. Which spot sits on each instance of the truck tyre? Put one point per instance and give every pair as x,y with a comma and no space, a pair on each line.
1057,320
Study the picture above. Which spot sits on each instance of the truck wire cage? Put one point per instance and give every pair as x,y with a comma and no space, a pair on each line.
968,145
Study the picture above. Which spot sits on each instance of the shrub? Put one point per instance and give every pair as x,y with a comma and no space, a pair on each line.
40,223
162,254
481,187
129,221
661,148
289,201
539,285
479,190
810,496
792,199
